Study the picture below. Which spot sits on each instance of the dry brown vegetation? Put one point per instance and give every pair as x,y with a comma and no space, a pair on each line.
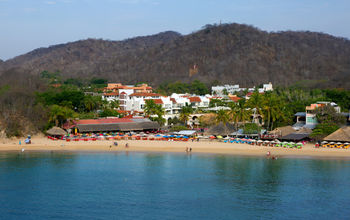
19,113
228,53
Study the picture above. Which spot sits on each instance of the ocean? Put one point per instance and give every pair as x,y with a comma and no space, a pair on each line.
58,185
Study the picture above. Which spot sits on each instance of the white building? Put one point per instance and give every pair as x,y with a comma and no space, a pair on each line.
231,89
219,90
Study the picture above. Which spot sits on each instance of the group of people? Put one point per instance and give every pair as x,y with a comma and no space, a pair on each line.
188,149
269,156
116,144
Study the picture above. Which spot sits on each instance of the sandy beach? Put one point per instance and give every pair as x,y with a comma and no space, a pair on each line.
212,147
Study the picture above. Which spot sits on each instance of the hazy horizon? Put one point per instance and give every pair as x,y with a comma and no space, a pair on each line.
28,25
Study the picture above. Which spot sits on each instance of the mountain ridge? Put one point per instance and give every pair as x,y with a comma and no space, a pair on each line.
230,53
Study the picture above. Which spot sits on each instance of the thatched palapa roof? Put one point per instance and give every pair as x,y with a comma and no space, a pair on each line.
56,131
220,129
342,134
130,126
283,131
304,130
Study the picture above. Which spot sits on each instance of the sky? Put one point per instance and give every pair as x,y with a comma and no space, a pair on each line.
29,24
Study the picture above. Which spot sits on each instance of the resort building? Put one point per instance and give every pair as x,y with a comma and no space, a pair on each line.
231,89
116,87
308,118
114,125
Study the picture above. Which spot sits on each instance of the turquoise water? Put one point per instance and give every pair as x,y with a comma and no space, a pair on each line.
171,186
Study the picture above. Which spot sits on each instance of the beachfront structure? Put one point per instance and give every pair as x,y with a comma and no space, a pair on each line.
114,125
340,135
308,118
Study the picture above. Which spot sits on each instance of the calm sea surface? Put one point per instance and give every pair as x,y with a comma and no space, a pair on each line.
170,186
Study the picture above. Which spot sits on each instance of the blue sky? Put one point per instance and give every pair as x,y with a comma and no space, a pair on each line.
29,24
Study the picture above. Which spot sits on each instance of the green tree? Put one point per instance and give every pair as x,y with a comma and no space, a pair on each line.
239,112
222,116
273,109
255,102
327,114
151,109
59,115
323,129
251,128
199,88
185,113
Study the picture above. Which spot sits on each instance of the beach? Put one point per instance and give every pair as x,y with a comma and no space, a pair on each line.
207,146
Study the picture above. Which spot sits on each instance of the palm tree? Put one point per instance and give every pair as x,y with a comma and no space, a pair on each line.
239,112
151,109
186,111
222,116
255,103
59,114
273,109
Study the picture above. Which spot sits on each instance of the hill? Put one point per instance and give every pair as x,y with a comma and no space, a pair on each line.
230,53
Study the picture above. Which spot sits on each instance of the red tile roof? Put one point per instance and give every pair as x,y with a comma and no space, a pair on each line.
111,94
195,99
158,101
235,99
145,94
173,100
103,121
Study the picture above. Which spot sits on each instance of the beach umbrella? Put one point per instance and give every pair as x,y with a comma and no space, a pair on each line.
185,137
260,141
212,137
324,142
253,140
219,137
266,141
346,143
158,135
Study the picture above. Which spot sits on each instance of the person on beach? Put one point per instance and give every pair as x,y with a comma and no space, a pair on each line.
190,149
268,153
186,150
126,145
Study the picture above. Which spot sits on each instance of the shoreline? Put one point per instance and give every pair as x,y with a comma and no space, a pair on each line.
202,147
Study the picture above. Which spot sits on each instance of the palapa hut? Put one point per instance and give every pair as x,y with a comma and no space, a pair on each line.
302,134
220,129
283,131
115,124
56,132
340,135
304,130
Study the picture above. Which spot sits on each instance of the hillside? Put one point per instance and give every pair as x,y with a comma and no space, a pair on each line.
230,53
